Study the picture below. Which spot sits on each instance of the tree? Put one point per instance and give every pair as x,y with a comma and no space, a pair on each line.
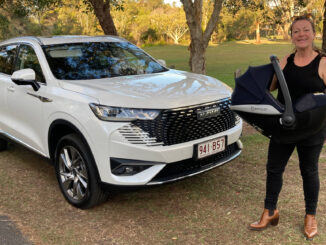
72,18
142,21
284,10
240,26
24,16
102,10
261,13
258,8
199,37
173,23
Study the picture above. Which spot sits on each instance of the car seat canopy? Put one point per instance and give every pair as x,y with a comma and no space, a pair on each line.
286,123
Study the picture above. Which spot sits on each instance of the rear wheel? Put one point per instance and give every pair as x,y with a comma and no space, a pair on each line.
76,173
3,144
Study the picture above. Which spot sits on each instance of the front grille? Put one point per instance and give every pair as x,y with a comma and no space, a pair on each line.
175,126
186,167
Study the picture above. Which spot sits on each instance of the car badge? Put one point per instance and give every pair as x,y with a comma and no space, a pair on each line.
208,113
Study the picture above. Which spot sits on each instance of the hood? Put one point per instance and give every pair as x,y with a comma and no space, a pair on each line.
164,90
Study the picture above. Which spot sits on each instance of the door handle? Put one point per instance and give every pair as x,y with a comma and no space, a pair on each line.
11,89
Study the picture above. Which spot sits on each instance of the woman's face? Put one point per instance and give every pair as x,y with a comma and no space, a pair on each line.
302,34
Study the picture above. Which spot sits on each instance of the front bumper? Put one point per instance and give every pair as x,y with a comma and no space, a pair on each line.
168,163
190,167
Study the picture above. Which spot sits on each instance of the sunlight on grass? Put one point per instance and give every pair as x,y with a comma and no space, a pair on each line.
223,60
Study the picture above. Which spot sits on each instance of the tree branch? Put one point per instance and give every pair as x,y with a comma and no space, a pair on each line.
189,8
212,21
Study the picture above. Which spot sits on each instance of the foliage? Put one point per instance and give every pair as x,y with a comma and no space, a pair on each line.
73,18
153,21
4,26
241,26
285,10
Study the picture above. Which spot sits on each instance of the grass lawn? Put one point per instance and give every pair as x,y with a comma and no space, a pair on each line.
224,59
212,208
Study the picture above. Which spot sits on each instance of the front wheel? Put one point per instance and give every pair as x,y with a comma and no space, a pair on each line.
76,173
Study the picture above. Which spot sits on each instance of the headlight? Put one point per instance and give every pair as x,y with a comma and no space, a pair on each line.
109,113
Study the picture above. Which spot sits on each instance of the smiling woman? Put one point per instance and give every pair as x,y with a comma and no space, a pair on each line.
305,76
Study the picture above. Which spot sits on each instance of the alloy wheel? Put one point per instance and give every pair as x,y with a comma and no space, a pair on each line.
73,173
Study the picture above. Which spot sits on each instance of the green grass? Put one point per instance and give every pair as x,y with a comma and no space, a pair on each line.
223,60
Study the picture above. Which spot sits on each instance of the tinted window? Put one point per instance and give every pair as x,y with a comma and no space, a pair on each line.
7,58
81,61
27,59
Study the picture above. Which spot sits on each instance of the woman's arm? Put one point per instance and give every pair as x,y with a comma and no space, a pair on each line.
274,81
322,69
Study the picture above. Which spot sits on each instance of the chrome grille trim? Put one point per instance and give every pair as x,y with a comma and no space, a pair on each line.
137,136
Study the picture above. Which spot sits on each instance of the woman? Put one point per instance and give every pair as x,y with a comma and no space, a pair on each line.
305,72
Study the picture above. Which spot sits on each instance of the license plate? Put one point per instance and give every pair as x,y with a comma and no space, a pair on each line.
210,147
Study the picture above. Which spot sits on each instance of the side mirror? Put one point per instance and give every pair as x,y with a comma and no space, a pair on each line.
25,77
162,62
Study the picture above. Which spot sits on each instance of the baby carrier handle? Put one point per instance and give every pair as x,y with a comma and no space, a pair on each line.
288,118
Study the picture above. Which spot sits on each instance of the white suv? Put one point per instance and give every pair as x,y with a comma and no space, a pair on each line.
108,114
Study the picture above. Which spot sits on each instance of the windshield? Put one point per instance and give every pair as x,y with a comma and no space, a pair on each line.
82,61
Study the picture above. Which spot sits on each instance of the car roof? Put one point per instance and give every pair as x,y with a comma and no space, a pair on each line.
64,39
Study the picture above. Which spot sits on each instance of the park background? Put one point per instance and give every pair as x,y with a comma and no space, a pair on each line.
194,24
212,208
156,22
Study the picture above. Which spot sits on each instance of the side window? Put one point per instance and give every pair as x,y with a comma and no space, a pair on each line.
28,59
7,58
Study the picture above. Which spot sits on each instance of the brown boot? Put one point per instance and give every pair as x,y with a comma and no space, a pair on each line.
265,220
310,226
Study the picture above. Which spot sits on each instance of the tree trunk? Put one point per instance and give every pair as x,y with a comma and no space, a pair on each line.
103,14
285,29
324,30
199,38
257,32
197,60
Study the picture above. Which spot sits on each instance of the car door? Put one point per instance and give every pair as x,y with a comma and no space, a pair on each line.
7,56
24,105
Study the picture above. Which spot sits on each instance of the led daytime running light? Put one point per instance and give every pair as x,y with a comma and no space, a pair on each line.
108,113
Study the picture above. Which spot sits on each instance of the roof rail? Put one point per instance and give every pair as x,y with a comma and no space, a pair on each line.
112,36
36,38
27,37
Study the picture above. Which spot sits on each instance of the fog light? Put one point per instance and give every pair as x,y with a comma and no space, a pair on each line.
129,170
125,170
128,167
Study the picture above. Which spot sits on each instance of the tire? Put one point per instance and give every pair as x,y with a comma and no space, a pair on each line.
3,144
76,173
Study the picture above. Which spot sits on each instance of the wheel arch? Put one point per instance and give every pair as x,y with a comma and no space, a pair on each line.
60,128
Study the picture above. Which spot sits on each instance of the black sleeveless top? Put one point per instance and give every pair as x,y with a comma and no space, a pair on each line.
302,80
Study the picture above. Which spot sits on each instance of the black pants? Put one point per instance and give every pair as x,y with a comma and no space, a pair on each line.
278,156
